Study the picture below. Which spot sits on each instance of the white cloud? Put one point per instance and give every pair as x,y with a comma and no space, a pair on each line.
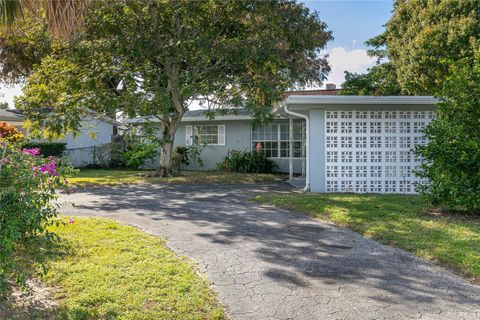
342,60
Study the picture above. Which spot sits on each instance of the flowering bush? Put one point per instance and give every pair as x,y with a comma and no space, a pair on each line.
28,190
10,133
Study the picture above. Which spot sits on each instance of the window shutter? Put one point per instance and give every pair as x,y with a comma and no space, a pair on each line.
221,134
189,135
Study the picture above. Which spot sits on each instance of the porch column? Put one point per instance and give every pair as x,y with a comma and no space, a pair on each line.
290,151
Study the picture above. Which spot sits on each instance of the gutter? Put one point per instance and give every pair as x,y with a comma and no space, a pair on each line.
307,143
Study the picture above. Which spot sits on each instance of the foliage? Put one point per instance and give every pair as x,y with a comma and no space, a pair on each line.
28,185
186,155
102,177
48,149
153,57
452,156
397,220
247,161
379,80
23,47
424,38
421,41
10,133
136,157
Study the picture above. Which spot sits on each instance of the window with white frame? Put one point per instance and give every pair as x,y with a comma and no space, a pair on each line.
275,139
209,134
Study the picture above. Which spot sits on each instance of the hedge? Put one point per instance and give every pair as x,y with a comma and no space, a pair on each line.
48,149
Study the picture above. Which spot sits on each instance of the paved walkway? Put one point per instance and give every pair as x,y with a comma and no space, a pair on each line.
268,263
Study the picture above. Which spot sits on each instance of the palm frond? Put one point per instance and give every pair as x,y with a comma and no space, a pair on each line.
10,10
64,17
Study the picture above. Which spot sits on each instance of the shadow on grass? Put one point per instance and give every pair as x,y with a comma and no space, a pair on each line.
31,298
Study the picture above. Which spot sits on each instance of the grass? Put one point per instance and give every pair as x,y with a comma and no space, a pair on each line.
102,177
112,271
397,220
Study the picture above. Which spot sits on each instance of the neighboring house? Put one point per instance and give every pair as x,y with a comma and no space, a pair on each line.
337,143
13,118
95,131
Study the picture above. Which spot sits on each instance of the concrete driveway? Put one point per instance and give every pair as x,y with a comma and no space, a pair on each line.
268,263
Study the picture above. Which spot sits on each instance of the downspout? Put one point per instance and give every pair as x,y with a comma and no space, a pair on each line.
307,143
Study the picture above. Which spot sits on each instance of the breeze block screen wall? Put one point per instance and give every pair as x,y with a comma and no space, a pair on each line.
372,151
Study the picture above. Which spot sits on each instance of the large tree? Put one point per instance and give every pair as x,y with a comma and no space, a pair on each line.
421,41
452,157
154,57
424,38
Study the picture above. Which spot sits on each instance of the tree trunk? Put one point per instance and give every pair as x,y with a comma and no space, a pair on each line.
166,147
166,155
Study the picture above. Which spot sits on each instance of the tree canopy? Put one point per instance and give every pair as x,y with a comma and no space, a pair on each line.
155,57
422,40
452,157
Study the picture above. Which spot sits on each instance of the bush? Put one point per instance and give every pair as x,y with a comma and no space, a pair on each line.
244,161
136,157
10,133
451,169
28,185
186,155
48,149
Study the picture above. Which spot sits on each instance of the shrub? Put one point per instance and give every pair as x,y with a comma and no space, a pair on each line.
10,133
186,155
48,149
28,185
451,169
244,161
139,153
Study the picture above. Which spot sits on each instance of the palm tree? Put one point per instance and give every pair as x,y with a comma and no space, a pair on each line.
64,17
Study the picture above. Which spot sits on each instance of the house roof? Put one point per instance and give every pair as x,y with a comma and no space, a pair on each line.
232,114
17,115
10,115
320,92
359,100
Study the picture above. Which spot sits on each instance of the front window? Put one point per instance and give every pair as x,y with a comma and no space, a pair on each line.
206,134
274,139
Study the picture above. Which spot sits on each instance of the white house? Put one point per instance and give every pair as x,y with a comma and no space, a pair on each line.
95,131
333,143
361,143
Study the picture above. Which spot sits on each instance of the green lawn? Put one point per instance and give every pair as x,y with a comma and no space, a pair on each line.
397,220
106,270
102,177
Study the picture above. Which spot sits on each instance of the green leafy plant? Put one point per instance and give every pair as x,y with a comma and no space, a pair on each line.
140,153
185,155
451,169
28,190
48,149
245,161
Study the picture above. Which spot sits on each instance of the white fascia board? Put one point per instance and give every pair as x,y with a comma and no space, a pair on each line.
217,118
188,119
359,100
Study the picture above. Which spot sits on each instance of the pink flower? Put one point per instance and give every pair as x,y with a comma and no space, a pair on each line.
49,167
259,147
33,152
71,221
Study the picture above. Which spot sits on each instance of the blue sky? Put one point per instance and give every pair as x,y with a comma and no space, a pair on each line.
352,22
